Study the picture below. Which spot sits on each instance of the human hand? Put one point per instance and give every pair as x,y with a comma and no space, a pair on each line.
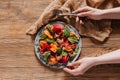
89,12
82,66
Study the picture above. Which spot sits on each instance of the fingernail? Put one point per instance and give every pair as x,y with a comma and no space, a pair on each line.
81,22
77,19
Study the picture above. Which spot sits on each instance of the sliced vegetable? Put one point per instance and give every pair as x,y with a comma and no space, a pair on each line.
50,40
67,32
47,55
42,43
76,49
43,36
72,34
58,58
64,53
65,42
72,54
45,47
73,46
71,59
49,28
59,40
57,28
53,47
47,33
52,60
67,48
65,59
59,51
73,39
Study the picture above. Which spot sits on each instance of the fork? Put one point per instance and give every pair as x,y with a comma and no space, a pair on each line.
60,13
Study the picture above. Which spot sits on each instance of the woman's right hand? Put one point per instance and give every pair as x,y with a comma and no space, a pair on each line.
89,12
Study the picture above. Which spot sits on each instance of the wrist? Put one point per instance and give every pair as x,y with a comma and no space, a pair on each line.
97,61
103,14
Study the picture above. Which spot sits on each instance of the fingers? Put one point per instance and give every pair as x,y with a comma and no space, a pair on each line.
84,14
79,10
74,63
83,9
67,70
74,72
79,20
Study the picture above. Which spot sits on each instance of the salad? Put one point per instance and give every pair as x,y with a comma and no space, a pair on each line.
58,44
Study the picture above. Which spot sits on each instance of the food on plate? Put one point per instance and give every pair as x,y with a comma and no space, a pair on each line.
47,33
58,44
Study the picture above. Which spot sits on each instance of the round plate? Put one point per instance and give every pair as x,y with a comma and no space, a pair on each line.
41,58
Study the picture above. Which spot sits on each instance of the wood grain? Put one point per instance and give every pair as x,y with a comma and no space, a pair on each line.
17,59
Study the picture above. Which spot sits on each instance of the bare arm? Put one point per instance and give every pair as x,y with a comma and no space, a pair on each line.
113,13
98,14
112,57
84,64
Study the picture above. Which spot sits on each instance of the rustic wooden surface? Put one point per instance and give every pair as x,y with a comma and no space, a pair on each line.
17,59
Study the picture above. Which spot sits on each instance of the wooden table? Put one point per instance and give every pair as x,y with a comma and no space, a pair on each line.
17,59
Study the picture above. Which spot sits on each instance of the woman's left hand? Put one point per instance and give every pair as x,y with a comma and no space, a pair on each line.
82,66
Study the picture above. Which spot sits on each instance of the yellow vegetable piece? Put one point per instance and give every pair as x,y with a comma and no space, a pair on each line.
42,42
72,34
67,48
53,47
52,61
53,50
47,33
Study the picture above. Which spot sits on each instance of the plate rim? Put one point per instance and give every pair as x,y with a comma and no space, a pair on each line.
38,54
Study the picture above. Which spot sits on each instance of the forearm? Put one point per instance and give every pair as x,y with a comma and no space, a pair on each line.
113,13
109,58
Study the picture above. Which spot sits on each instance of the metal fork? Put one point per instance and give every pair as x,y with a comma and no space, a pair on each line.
67,14
60,13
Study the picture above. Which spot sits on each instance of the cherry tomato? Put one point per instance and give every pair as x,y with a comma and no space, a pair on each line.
65,59
57,28
45,47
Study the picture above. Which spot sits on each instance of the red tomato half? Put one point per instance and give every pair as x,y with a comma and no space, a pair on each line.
57,28
73,46
65,59
65,42
45,47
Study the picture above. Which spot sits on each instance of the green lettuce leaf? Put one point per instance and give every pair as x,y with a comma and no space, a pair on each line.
73,39
64,53
67,32
50,40
43,36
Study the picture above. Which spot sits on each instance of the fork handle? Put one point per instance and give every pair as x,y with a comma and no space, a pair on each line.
68,14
